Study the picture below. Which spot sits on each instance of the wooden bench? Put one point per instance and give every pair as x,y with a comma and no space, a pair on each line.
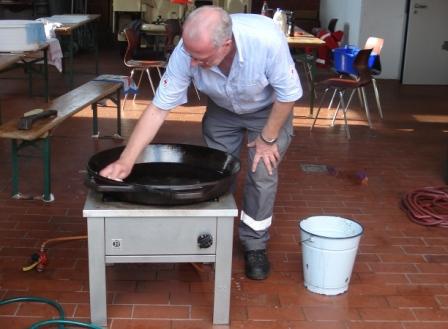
89,94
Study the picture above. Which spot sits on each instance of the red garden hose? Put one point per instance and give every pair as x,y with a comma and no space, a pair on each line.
40,259
427,206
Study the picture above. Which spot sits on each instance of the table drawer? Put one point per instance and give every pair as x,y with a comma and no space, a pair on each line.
158,236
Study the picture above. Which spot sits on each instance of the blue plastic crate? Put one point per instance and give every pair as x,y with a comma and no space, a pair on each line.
343,59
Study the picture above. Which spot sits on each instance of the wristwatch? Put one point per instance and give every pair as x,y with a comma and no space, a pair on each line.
268,141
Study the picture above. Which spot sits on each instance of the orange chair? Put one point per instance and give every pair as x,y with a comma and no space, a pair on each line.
138,60
142,65
343,84
173,30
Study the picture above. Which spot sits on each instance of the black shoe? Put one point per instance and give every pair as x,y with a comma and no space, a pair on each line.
257,264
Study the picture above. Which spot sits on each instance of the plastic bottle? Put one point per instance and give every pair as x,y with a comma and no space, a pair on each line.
280,20
264,8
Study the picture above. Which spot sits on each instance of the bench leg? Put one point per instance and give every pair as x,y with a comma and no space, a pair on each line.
46,157
15,168
95,130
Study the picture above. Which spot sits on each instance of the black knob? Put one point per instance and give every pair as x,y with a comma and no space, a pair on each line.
205,240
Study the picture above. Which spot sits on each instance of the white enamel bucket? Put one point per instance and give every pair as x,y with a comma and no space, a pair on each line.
329,247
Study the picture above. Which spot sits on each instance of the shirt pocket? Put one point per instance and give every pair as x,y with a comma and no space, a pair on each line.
253,89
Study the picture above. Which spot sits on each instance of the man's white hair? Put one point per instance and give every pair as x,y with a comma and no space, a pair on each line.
220,31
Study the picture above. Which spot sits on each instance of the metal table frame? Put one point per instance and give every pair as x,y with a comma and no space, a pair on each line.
29,60
100,213
302,41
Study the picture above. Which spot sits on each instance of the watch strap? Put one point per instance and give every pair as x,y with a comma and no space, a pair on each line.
268,141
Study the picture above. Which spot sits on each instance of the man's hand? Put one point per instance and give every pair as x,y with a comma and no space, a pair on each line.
268,153
117,170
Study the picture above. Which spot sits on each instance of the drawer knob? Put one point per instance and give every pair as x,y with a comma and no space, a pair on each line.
205,240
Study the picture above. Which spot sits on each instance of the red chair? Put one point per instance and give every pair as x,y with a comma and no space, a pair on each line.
142,65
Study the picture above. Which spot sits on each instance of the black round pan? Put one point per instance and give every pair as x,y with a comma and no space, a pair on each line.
167,174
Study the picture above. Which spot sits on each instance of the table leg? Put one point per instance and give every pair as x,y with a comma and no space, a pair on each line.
46,92
97,271
95,44
223,271
313,74
119,112
70,60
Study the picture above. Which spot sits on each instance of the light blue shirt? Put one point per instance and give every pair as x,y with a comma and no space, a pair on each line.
262,71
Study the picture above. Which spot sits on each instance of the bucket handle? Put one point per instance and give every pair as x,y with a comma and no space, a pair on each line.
310,239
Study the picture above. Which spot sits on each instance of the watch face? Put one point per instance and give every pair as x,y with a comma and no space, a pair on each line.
267,141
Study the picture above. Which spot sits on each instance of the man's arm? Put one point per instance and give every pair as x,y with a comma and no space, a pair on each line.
266,151
147,127
277,118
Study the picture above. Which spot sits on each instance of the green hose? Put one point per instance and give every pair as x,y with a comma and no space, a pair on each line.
61,321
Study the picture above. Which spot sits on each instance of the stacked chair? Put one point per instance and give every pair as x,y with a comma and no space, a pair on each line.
344,84
365,73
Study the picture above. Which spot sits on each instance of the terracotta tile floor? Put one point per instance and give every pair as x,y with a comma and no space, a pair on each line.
400,279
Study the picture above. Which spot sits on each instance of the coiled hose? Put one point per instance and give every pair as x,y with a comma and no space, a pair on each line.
61,321
427,206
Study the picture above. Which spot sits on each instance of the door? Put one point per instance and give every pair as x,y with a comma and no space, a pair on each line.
426,53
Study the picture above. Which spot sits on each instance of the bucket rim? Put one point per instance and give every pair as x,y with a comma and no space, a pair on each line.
329,237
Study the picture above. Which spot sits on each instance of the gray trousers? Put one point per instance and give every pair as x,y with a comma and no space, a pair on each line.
226,131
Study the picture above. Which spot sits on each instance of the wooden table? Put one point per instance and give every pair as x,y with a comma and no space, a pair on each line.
302,40
68,29
156,31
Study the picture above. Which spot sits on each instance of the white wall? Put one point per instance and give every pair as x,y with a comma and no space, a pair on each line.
348,13
386,19
363,18
236,6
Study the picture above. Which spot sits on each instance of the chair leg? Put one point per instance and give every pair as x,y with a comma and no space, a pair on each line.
377,96
360,97
344,111
124,102
366,106
307,74
138,84
158,71
318,110
332,99
341,103
337,111
148,73
126,95
196,90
